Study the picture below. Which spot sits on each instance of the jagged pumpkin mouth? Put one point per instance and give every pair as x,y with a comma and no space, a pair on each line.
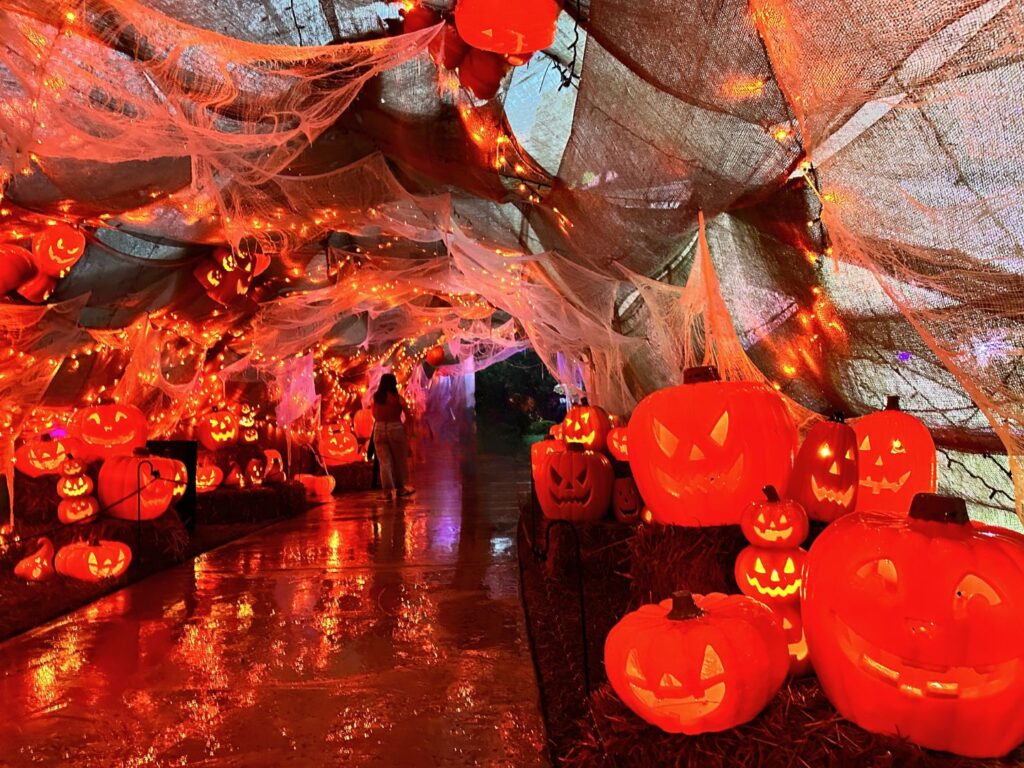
701,483
667,695
834,495
774,534
876,486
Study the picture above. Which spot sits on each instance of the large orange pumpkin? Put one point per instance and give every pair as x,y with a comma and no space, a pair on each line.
217,428
697,663
824,479
136,487
914,625
45,455
93,560
38,566
57,249
575,484
702,451
896,459
502,27
109,430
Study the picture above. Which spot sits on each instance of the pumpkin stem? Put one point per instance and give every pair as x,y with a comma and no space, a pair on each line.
770,493
936,508
700,373
684,607
839,417
892,403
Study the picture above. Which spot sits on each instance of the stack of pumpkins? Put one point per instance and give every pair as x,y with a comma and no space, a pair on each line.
34,275
486,38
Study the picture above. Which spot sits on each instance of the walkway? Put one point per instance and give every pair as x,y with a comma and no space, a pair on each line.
359,634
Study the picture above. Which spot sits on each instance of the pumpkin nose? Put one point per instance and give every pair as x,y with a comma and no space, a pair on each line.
775,575
834,469
878,461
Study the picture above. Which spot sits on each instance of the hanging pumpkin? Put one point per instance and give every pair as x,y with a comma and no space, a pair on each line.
16,268
57,249
138,487
702,451
824,479
773,576
575,484
362,424
482,73
37,566
254,473
217,429
774,523
435,356
45,455
626,501
74,486
93,561
521,27
587,425
338,445
71,511
109,430
896,459
697,663
208,478
539,452
618,443
796,639
38,288
914,625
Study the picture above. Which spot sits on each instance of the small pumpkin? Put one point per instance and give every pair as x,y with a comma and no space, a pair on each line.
38,288
697,663
482,72
94,560
208,478
626,501
587,425
435,356
37,566
254,473
824,479
618,443
575,484
773,576
81,510
137,487
74,486
56,249
774,523
318,487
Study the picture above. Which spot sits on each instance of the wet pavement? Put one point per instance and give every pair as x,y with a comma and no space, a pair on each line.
362,633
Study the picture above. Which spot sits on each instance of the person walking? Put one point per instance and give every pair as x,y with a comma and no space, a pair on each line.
390,437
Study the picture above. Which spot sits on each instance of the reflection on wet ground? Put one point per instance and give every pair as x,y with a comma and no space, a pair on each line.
362,633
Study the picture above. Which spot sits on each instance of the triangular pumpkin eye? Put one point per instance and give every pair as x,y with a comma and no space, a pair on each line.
667,442
760,518
849,454
721,430
865,444
633,665
789,567
555,476
759,566
712,664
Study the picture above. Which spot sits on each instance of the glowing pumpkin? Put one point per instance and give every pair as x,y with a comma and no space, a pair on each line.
72,466
77,510
539,451
248,432
796,639
575,484
493,25
37,566
338,445
896,459
208,478
774,523
74,486
254,473
626,501
138,487
362,424
179,478
45,455
217,429
435,356
773,576
57,249
587,425
618,443
697,663
93,561
702,451
824,479
109,430
914,625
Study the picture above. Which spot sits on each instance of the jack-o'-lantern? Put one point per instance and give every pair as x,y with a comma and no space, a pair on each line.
274,472
618,443
179,478
896,459
227,275
507,28
254,472
796,639
44,455
208,477
217,429
81,510
824,479
338,445
362,424
72,466
575,484
74,486
555,432
774,523
697,663
539,451
702,451
93,561
16,268
435,356
914,625
235,477
37,566
247,431
626,501
773,576
109,430
57,249
587,425
138,487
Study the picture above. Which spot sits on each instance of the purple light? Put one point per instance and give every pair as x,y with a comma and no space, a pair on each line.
903,356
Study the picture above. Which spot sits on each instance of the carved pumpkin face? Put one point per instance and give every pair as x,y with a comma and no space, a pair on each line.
80,510
824,478
773,576
896,459
137,487
179,478
575,484
914,624
57,249
774,523
93,561
37,566
618,443
227,276
702,451
254,472
796,639
587,425
217,429
72,466
208,477
246,416
626,501
338,445
44,455
110,430
700,664
74,486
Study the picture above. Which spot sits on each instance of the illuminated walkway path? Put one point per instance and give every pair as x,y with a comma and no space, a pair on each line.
359,634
